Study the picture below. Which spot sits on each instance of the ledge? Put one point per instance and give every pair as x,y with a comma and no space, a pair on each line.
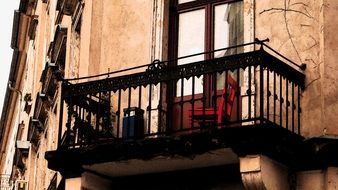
275,142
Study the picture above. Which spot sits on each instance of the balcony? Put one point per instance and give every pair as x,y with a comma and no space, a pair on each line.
57,48
66,7
49,83
20,157
38,121
70,8
248,101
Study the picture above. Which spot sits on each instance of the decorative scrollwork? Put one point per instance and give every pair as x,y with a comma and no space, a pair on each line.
159,72
156,65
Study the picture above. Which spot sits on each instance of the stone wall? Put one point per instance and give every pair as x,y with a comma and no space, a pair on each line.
303,31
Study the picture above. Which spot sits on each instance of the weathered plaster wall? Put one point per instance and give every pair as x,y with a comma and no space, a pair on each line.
35,61
114,35
331,178
85,35
95,38
311,180
303,31
329,67
326,179
126,34
75,46
37,173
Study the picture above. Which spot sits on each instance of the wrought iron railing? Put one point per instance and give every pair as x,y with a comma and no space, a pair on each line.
253,86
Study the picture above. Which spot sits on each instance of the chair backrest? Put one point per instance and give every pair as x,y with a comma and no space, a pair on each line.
228,92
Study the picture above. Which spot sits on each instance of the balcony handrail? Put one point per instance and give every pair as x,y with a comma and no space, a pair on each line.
301,66
231,62
95,107
256,42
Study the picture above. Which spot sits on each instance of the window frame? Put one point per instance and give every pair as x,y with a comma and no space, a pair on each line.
177,9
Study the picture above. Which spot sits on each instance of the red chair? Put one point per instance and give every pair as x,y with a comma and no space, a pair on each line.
209,115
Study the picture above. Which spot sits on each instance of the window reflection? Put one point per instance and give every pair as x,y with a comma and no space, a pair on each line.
191,39
184,1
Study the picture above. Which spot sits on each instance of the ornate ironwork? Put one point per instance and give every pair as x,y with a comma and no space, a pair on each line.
163,74
156,66
274,64
94,107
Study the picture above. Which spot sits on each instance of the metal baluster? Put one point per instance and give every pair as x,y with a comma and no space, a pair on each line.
281,101
214,97
261,93
267,94
159,107
128,111
299,109
149,109
255,98
249,94
274,97
192,101
77,130
293,107
238,94
204,98
68,124
181,103
109,114
60,121
227,93
139,97
287,104
98,114
118,113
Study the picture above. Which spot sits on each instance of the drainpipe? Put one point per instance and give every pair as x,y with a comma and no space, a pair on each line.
20,100
17,91
19,112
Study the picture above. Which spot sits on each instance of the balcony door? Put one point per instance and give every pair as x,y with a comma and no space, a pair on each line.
202,26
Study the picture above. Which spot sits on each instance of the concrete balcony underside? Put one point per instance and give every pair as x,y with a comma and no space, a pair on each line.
163,154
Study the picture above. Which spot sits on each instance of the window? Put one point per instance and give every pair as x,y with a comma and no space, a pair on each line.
204,26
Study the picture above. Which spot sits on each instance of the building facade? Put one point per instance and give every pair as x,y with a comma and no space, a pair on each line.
171,94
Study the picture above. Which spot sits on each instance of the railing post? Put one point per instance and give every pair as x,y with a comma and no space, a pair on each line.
169,99
299,108
69,120
160,107
261,93
287,104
